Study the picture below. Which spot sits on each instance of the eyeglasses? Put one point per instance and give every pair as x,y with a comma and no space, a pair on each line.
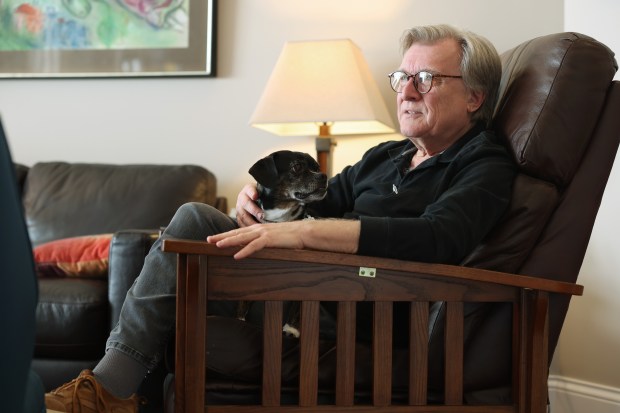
422,81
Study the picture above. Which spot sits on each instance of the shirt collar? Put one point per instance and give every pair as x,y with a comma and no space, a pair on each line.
406,151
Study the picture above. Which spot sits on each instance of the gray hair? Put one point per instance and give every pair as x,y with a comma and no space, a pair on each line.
481,67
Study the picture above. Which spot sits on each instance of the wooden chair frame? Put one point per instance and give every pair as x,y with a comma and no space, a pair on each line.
206,272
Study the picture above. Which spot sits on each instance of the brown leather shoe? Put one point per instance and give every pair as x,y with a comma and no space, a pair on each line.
86,395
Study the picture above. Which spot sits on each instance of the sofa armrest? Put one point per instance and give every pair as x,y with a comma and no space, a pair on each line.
127,251
221,203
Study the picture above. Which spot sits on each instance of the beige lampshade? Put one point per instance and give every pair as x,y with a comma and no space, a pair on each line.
321,81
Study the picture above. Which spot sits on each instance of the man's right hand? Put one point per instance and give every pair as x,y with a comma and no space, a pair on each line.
248,212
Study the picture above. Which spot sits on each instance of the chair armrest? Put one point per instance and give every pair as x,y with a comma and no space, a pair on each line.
221,203
127,251
385,264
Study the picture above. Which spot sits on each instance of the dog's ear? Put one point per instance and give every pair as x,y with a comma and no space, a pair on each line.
265,171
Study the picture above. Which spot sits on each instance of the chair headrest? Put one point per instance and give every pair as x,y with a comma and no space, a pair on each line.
551,94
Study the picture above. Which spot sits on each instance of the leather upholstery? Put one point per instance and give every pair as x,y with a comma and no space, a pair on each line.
552,93
556,110
75,316
550,102
71,318
87,198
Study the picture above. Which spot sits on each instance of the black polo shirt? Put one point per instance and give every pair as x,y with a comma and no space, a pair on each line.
437,212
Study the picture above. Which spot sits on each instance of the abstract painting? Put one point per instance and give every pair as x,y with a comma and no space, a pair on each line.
101,38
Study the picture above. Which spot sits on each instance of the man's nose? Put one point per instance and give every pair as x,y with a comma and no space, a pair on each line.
409,91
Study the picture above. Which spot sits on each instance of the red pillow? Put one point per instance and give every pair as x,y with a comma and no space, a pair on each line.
85,256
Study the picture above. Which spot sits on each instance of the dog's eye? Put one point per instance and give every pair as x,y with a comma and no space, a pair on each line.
297,168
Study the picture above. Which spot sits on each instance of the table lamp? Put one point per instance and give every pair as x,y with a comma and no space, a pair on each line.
322,88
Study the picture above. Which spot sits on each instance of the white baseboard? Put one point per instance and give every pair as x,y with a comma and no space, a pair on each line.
568,395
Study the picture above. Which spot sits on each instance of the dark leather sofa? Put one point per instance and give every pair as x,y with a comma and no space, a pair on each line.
62,200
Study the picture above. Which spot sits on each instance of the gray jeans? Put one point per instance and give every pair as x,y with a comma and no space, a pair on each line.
147,318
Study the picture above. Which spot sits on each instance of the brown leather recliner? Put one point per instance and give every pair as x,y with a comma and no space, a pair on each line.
62,200
558,111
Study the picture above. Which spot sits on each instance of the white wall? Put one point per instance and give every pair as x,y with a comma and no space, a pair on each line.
587,360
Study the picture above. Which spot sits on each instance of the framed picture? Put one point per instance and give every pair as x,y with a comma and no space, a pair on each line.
111,38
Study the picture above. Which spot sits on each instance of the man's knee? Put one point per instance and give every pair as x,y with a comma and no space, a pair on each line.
197,209
202,219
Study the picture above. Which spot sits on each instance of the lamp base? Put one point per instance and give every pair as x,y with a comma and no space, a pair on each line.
324,154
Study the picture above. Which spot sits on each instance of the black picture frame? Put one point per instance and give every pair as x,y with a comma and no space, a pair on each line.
197,58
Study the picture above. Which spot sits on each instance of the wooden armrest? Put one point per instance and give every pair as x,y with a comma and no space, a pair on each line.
379,264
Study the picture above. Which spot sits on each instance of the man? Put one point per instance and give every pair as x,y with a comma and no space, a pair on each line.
431,197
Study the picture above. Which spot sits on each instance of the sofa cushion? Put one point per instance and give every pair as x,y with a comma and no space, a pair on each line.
64,200
85,256
72,318
508,245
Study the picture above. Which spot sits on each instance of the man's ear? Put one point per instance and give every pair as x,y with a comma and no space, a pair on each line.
476,99
265,172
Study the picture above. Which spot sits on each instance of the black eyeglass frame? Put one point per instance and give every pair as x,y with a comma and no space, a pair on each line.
414,77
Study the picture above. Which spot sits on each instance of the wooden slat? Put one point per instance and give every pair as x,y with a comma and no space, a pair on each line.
309,354
195,332
179,357
520,349
345,354
382,353
418,353
540,348
272,353
454,354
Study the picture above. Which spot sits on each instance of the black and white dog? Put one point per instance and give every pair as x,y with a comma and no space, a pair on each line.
286,181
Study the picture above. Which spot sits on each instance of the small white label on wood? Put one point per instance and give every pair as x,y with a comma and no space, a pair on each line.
367,272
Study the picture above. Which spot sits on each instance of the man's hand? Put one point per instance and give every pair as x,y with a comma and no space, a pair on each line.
258,236
316,234
248,212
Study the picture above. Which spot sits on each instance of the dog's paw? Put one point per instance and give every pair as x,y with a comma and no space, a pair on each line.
290,331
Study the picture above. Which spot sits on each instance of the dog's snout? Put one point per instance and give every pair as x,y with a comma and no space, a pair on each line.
319,176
